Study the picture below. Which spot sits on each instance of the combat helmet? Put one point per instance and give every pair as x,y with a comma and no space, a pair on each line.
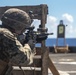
16,19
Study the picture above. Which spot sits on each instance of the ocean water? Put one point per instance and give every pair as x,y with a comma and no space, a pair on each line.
52,42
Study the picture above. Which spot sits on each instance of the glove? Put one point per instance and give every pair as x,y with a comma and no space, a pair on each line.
31,44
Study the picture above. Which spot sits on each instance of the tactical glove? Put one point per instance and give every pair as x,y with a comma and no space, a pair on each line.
31,44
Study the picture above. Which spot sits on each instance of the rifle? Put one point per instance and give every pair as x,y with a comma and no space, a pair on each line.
37,36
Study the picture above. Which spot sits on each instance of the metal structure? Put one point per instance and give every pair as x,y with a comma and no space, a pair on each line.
42,60
61,34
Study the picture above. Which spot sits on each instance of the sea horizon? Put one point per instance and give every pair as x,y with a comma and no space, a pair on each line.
52,42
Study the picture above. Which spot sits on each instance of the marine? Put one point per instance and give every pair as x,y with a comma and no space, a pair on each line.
14,22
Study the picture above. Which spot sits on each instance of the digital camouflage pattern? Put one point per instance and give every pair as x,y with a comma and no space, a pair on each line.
12,51
16,18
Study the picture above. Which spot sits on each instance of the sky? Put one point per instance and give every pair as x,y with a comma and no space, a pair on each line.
57,10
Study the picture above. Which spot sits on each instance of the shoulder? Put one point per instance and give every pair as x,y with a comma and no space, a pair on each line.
6,33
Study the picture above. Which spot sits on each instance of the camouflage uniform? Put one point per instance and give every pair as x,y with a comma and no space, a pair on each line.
12,51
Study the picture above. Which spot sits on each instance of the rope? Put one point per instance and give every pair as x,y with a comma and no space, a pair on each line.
22,70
